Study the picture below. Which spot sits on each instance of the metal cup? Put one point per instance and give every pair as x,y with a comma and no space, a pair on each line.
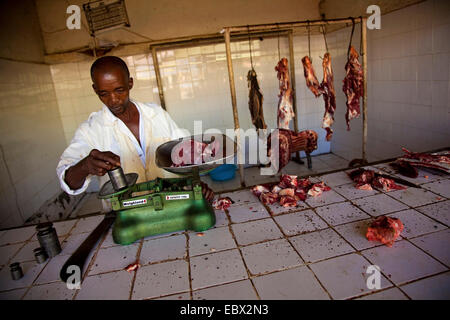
118,179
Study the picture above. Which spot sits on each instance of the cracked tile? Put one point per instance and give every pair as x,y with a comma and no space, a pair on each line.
114,258
441,187
173,247
439,211
414,197
433,288
327,197
50,291
436,245
415,223
108,286
240,290
247,212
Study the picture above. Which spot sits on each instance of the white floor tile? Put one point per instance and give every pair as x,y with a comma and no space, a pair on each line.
277,209
388,294
52,270
87,224
30,271
320,245
439,211
71,243
241,197
247,212
270,256
300,222
221,219
50,291
114,259
441,187
217,268
336,179
345,277
27,253
327,197
178,296
294,284
13,294
433,288
256,231
17,235
240,290
414,197
415,223
435,244
8,252
212,240
161,279
155,250
350,192
108,286
340,213
403,262
379,204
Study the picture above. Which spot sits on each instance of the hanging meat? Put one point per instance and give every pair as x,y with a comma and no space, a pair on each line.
326,88
290,142
286,100
255,101
353,86
329,95
311,80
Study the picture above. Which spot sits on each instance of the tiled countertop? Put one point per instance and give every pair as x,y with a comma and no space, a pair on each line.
315,251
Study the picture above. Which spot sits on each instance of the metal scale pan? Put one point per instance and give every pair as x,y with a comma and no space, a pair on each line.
164,160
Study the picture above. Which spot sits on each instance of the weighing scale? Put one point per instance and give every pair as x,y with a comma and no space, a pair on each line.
165,204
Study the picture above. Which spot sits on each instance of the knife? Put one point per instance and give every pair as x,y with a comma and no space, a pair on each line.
78,258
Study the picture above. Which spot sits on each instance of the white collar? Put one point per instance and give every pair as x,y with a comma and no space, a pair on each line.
111,118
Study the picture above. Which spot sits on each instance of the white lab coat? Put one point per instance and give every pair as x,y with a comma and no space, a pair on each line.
105,132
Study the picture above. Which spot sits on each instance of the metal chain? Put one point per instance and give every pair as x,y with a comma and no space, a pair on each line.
279,55
309,42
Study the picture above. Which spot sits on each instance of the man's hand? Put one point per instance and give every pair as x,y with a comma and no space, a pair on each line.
207,192
98,163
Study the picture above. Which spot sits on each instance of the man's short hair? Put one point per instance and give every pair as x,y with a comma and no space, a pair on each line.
106,62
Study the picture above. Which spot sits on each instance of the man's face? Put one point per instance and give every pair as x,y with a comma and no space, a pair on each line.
113,89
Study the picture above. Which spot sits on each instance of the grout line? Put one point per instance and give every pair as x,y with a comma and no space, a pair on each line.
138,256
188,260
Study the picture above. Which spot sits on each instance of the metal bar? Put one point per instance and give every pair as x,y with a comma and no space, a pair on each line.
364,101
289,25
234,105
158,78
294,93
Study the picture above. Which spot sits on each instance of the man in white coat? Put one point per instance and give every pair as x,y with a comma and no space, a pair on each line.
123,133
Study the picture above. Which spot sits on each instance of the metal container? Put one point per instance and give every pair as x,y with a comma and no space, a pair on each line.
40,255
16,271
48,239
118,179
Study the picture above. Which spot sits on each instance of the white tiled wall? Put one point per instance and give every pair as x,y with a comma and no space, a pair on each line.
76,98
31,139
408,87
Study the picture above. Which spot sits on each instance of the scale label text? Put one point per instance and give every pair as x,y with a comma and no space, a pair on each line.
178,197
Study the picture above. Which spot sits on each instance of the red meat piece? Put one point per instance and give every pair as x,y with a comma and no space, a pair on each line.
385,230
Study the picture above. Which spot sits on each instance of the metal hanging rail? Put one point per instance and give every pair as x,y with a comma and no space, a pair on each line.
290,26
